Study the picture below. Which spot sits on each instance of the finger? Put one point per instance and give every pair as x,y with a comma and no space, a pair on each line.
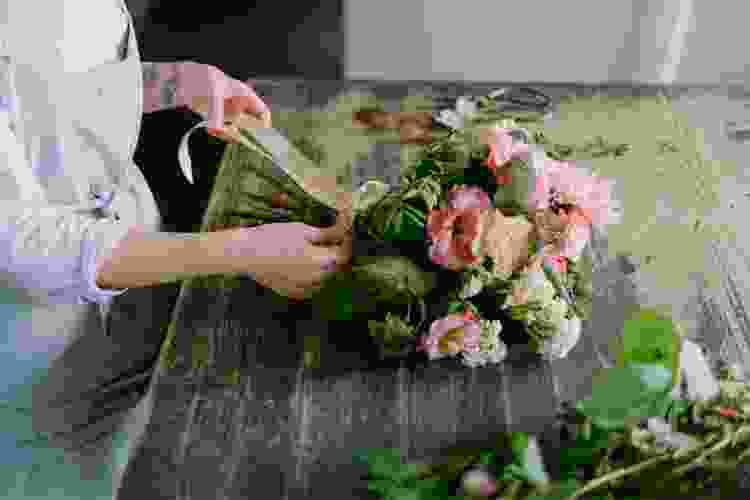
220,134
216,104
251,102
227,134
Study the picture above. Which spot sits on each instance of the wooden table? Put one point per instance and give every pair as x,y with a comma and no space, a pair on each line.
238,415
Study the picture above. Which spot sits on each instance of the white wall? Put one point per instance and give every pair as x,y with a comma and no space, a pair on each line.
546,40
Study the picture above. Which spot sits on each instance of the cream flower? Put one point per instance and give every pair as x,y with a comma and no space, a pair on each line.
532,285
568,335
493,349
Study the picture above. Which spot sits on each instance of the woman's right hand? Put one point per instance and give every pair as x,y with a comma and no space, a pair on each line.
290,258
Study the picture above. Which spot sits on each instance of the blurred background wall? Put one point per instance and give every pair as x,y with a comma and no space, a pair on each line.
684,41
688,41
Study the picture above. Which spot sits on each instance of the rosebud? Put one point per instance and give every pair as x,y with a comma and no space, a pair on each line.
478,482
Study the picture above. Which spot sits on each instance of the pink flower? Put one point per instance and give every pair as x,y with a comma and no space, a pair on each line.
564,183
503,149
566,232
463,197
559,263
455,235
451,335
576,237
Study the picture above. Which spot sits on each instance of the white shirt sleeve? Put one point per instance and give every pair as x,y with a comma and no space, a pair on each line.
48,252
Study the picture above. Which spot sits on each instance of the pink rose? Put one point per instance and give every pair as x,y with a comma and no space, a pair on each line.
451,335
503,149
463,197
455,235
562,182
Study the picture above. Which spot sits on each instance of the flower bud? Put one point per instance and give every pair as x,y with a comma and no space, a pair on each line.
478,482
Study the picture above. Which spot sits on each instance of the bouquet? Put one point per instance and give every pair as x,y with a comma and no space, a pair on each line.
639,435
481,245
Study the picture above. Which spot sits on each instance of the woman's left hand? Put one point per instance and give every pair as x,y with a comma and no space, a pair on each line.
210,92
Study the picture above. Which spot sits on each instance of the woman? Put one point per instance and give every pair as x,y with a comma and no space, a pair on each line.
81,251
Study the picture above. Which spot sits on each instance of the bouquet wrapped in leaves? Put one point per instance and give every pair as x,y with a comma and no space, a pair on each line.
482,243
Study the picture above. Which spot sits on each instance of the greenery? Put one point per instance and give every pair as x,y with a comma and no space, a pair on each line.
607,450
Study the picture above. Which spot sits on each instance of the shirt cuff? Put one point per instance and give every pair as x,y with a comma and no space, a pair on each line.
100,243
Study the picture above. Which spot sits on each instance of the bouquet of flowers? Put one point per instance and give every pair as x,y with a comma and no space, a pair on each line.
638,435
480,245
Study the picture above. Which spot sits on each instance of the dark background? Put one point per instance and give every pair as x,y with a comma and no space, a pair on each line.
246,39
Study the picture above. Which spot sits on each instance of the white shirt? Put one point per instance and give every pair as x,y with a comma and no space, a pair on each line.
107,28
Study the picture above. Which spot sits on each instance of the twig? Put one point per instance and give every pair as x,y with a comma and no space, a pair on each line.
619,473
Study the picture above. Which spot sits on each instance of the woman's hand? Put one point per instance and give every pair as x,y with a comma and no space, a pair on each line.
290,258
208,91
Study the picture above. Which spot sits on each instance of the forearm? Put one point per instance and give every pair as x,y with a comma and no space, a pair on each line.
159,86
149,259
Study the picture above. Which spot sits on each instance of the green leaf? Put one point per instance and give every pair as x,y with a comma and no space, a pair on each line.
487,457
369,194
632,391
527,457
381,487
455,308
653,338
581,451
511,472
424,168
385,463
406,224
679,408
519,441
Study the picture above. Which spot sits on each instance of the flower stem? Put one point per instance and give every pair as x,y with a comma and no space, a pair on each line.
617,474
